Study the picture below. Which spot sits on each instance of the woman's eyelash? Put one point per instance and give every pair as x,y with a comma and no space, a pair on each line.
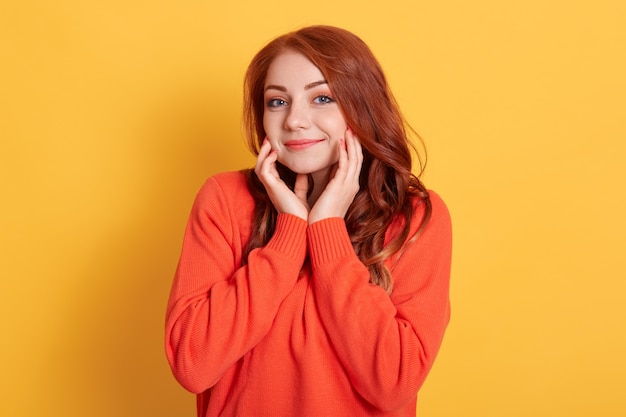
324,99
321,99
276,102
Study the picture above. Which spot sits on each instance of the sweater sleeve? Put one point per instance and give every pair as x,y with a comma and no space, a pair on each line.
219,310
387,344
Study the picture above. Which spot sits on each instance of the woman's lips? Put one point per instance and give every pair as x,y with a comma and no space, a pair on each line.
299,144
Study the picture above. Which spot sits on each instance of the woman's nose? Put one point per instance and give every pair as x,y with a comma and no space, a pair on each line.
298,117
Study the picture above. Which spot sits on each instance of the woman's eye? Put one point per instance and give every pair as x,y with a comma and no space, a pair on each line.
323,100
276,102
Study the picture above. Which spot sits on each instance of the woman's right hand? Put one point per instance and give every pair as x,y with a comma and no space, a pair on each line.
284,200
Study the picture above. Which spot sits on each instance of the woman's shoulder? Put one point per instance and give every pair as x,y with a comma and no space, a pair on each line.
229,179
231,187
429,212
226,181
439,207
438,224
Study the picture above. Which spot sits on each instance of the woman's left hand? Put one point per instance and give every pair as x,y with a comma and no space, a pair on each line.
344,184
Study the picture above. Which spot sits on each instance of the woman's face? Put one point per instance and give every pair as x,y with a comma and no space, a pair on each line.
302,120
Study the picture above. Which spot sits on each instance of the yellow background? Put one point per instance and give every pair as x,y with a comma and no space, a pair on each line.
113,113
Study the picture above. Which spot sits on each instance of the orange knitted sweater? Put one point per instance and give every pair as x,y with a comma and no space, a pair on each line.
299,330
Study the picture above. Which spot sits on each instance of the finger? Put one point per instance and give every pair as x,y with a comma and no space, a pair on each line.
340,168
359,155
356,144
301,187
264,151
354,154
268,166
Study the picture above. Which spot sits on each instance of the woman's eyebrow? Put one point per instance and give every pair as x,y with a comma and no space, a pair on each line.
314,84
275,87
306,87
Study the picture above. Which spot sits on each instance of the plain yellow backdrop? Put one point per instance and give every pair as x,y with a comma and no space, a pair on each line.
113,113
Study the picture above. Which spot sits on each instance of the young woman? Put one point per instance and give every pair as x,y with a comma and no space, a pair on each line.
315,284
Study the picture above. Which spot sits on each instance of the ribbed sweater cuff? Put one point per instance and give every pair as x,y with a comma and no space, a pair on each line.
328,240
289,236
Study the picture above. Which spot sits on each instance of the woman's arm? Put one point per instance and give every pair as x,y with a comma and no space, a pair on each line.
218,310
386,344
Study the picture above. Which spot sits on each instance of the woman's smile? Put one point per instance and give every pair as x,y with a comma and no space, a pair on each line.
301,144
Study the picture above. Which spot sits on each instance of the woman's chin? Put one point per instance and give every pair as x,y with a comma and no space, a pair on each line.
307,169
299,168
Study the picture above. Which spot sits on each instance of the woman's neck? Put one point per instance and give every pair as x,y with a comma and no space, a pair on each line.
320,181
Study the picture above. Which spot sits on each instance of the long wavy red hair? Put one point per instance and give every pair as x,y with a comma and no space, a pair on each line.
388,187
